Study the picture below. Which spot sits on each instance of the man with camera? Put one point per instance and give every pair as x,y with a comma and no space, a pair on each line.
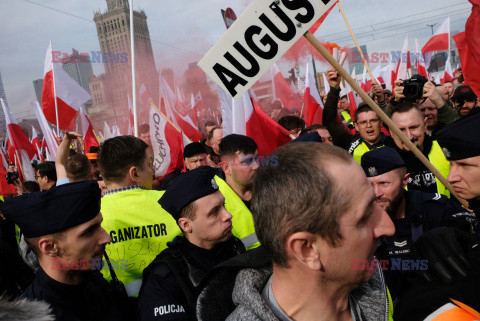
12,174
419,90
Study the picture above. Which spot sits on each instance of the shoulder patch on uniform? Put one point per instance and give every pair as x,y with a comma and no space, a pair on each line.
436,197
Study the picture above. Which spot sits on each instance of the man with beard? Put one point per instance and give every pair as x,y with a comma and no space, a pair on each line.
464,100
70,243
413,212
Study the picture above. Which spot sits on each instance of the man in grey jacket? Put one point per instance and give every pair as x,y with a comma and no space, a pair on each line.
316,217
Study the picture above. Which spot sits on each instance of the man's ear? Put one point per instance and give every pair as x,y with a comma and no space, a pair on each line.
405,180
132,174
226,166
304,248
185,224
48,246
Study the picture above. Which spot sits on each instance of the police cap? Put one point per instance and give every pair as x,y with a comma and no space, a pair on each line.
56,210
187,188
380,161
310,137
460,139
193,149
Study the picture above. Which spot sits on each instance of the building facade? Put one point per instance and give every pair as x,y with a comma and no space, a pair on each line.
79,67
113,30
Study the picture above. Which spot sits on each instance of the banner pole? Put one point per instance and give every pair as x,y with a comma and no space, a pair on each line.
393,128
134,87
356,42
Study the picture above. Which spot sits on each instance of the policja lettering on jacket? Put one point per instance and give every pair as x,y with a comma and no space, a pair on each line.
261,35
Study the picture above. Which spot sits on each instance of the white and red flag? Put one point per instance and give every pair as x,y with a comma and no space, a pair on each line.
24,150
69,95
89,138
167,144
440,40
242,117
283,91
312,103
49,140
420,63
107,133
352,100
448,73
404,62
144,96
130,116
180,118
36,141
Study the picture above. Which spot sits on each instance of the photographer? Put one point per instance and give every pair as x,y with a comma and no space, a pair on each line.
445,113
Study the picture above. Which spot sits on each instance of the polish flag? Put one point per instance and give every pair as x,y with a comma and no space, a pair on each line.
377,75
130,116
366,84
282,91
69,95
448,73
49,140
313,105
89,138
179,118
167,144
325,84
388,73
107,133
468,45
404,64
242,117
145,96
35,142
352,101
24,150
420,63
440,40
194,107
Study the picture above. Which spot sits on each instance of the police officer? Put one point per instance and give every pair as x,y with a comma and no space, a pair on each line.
413,213
172,281
454,256
67,240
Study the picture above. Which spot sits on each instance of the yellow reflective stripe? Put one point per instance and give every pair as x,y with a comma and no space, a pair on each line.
438,159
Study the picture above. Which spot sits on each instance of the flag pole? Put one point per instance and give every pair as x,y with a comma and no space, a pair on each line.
355,39
393,128
55,93
134,88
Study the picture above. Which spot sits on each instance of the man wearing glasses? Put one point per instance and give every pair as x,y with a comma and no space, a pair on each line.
367,123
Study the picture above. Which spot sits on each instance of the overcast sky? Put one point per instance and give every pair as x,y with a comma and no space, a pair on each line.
182,31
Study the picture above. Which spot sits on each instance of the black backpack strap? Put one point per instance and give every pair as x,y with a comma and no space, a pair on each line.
185,274
415,205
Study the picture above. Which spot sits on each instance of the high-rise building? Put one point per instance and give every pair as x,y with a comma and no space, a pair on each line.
113,29
79,67
2,115
355,59
38,85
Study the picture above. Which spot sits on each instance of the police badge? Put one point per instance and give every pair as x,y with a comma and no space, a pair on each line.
372,171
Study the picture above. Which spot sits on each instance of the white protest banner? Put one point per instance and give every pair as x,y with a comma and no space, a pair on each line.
259,37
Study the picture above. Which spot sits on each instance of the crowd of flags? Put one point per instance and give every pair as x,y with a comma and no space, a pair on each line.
174,123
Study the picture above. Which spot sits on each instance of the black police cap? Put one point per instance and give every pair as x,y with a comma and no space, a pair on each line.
187,188
310,137
56,210
193,149
380,161
460,139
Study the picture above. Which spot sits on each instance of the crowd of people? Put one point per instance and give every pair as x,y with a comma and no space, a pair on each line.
343,223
